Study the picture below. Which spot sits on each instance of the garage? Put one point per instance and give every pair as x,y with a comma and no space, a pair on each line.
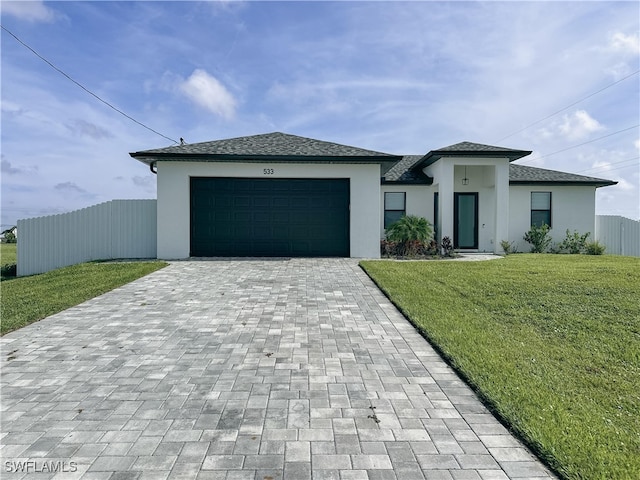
283,217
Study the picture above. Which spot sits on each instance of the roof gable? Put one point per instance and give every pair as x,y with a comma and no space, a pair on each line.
280,145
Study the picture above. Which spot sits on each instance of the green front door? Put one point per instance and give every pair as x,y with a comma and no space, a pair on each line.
465,228
269,217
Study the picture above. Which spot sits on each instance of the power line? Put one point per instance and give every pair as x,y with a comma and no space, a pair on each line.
581,144
606,167
84,88
569,106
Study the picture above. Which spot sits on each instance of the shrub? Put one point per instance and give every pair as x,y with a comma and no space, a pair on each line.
574,242
411,234
447,247
9,270
432,248
508,247
594,248
539,238
388,249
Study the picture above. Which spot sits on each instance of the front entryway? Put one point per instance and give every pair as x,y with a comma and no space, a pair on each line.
465,232
280,217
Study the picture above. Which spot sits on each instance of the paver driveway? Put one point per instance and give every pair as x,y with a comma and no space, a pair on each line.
243,369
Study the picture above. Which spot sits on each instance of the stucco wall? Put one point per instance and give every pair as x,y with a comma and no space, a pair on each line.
572,207
174,199
419,201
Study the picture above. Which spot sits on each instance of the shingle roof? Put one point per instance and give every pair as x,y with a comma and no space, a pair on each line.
271,144
464,149
475,147
405,169
401,172
523,174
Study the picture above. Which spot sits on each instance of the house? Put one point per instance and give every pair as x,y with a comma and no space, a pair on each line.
283,195
9,233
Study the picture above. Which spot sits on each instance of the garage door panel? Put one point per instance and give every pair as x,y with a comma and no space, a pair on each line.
269,217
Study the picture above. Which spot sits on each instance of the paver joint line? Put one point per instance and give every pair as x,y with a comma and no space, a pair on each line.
244,368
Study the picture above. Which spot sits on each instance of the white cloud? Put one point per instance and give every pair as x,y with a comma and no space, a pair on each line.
32,11
207,92
625,43
579,125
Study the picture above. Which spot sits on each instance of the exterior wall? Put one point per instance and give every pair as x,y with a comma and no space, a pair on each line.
110,230
174,199
489,178
419,201
572,207
620,235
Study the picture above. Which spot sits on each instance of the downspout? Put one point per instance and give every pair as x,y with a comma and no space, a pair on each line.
151,167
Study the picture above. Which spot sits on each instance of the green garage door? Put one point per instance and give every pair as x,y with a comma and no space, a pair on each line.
269,217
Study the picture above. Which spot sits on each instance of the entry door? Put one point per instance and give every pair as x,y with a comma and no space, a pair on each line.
465,232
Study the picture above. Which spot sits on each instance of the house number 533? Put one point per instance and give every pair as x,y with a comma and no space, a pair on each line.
268,171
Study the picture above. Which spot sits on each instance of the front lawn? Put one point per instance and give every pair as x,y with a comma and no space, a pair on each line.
551,343
28,299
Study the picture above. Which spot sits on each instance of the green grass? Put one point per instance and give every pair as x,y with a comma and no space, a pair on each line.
8,253
28,299
551,343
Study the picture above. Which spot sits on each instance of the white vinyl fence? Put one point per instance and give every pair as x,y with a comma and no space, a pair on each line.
621,235
110,230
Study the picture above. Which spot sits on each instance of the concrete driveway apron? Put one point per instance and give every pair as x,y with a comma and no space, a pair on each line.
243,369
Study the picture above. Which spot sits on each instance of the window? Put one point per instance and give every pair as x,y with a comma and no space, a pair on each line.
540,209
394,207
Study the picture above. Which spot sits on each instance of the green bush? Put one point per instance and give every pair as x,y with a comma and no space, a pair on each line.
411,235
539,238
8,270
573,243
594,248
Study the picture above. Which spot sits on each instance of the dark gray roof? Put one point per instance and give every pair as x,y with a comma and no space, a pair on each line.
523,174
404,172
474,148
405,169
401,172
470,149
273,145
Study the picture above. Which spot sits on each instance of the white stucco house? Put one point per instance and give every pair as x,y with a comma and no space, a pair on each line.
284,195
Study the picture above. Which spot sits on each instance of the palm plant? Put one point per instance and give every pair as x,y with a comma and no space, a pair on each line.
412,232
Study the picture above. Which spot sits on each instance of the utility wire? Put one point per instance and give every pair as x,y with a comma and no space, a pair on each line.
580,144
83,87
606,166
569,106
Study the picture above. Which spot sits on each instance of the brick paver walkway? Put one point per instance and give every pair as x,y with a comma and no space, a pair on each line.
244,369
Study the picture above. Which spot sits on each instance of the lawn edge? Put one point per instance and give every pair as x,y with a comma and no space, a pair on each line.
3,333
533,447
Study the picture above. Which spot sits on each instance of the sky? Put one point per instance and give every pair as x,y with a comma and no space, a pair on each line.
558,78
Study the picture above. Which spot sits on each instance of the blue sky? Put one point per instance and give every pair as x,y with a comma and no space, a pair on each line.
397,77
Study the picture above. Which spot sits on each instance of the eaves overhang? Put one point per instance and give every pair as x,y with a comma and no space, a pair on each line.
148,159
577,183
435,155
